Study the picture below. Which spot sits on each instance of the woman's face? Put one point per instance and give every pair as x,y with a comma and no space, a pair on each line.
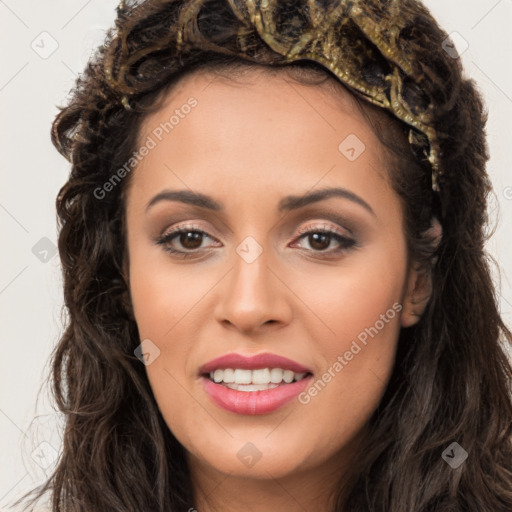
242,155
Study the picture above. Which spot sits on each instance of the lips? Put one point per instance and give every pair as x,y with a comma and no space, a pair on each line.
247,399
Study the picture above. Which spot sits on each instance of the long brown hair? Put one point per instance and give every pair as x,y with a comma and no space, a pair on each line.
452,381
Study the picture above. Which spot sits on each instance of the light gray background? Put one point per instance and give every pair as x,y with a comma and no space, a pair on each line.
32,83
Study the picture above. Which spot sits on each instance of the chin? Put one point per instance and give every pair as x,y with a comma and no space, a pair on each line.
252,459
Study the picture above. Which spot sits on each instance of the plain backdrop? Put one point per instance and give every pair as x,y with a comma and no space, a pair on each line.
44,45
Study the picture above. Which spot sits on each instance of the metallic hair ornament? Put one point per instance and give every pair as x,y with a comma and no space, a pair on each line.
333,38
364,43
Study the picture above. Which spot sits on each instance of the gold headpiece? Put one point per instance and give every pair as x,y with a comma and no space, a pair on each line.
366,44
361,50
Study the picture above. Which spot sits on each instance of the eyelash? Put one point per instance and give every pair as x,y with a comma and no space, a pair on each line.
164,240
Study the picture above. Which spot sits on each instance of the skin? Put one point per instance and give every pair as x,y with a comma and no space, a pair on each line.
247,145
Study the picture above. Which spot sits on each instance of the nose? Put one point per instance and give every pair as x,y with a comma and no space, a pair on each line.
254,296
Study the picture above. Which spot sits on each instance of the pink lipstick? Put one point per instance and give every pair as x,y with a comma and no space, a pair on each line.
254,384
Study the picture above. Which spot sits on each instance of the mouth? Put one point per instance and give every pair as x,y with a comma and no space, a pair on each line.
256,384
253,392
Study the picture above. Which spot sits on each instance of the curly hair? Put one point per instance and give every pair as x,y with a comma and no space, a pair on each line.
452,379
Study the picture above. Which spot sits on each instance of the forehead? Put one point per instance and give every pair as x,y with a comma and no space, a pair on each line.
247,90
262,128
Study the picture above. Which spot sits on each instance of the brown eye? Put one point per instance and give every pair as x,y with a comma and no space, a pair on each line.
190,239
183,241
319,239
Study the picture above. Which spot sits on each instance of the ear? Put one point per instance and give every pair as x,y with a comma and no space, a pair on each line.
418,292
419,282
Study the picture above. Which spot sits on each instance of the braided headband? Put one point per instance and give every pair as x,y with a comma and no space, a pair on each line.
364,44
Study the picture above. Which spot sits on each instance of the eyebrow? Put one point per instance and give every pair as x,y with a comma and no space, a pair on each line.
288,203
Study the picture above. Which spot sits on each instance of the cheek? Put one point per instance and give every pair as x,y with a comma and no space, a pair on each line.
361,307
163,306
162,294
164,310
352,298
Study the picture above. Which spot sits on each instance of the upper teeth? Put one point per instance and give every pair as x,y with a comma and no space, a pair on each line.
260,376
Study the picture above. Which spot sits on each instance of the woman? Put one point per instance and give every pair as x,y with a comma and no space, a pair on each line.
272,241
